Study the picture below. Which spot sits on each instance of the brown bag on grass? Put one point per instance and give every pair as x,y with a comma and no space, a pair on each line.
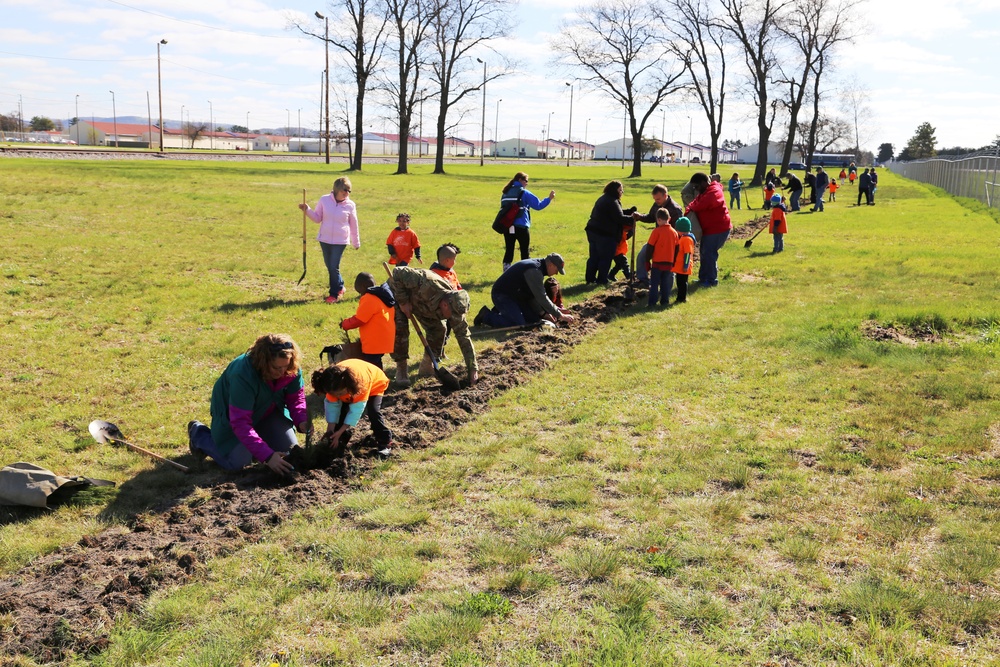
30,485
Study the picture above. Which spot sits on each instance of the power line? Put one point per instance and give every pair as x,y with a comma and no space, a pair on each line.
199,25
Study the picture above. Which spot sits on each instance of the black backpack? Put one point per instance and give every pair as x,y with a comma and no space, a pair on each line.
510,207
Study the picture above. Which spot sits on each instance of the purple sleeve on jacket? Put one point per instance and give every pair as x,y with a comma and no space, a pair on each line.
242,424
296,404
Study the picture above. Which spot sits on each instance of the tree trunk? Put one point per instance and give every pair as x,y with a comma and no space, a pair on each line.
440,138
359,141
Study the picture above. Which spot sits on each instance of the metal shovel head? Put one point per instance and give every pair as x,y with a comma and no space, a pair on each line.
104,432
748,243
446,378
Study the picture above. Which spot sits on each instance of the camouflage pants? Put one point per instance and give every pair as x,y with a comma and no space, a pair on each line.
434,331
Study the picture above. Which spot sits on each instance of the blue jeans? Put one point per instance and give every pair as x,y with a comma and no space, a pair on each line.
779,242
661,283
708,271
331,256
735,197
640,264
818,204
275,429
509,312
793,199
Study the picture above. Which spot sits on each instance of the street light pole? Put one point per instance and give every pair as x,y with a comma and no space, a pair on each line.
77,123
548,133
690,128
326,43
663,131
496,130
159,92
569,138
420,127
248,130
299,130
211,126
114,116
482,128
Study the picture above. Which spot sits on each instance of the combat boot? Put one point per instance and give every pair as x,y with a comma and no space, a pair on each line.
426,369
402,379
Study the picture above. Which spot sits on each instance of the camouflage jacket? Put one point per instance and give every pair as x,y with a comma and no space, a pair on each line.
423,291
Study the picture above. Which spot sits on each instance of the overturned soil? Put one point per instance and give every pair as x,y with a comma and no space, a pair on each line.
908,335
748,229
65,602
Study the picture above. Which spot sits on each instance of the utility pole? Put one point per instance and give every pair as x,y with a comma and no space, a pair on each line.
496,130
569,138
77,123
482,127
248,130
326,43
159,92
548,133
663,131
211,126
114,116
420,127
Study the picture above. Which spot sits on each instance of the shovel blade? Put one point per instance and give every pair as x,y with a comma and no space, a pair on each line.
447,378
748,244
104,432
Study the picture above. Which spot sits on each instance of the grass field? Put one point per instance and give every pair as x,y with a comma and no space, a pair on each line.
798,467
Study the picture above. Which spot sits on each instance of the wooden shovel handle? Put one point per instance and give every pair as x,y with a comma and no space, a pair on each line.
154,455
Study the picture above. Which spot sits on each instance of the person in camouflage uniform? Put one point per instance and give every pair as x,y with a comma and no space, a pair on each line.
430,299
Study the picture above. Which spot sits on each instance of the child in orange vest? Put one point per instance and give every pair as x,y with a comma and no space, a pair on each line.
621,253
663,241
685,257
353,388
402,242
445,264
768,193
833,189
843,176
375,318
778,227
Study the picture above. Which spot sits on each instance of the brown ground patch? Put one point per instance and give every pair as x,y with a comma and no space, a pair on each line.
748,229
911,335
66,601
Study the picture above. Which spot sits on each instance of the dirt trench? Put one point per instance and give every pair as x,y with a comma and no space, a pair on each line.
65,603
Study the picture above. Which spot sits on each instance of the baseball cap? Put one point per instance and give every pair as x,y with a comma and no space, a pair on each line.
556,260
460,302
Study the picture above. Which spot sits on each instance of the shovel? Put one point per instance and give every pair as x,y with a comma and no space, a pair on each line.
750,241
105,432
444,376
303,240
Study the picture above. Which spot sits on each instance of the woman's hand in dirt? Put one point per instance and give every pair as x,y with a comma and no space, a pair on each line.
566,317
279,465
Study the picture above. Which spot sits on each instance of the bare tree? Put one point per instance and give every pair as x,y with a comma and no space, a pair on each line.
617,48
411,22
700,42
814,28
460,27
855,96
194,130
359,33
753,24
831,134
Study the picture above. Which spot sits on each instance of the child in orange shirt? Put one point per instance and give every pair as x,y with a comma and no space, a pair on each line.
445,264
768,193
778,226
402,242
621,253
833,189
663,240
685,257
375,318
352,388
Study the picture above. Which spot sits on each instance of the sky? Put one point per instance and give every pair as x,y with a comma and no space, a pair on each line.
921,60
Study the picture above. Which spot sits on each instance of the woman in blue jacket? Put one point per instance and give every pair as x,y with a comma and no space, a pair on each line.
520,230
735,191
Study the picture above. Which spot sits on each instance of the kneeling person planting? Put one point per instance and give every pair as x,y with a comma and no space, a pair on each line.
519,295
352,388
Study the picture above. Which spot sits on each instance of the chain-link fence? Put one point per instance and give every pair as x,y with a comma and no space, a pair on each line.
973,175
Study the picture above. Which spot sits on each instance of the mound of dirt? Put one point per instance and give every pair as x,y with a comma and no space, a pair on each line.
64,603
748,229
910,335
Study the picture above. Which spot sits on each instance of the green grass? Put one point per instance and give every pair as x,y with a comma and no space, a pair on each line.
813,496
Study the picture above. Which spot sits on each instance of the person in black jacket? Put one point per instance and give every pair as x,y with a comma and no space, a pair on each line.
604,230
871,191
520,297
794,187
865,188
810,182
822,183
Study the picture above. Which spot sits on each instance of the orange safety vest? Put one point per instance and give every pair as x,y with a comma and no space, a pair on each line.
371,379
778,223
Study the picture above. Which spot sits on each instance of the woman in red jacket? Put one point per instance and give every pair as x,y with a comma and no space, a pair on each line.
710,205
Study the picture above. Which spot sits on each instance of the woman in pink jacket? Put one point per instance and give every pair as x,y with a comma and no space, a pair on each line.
338,225
710,205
